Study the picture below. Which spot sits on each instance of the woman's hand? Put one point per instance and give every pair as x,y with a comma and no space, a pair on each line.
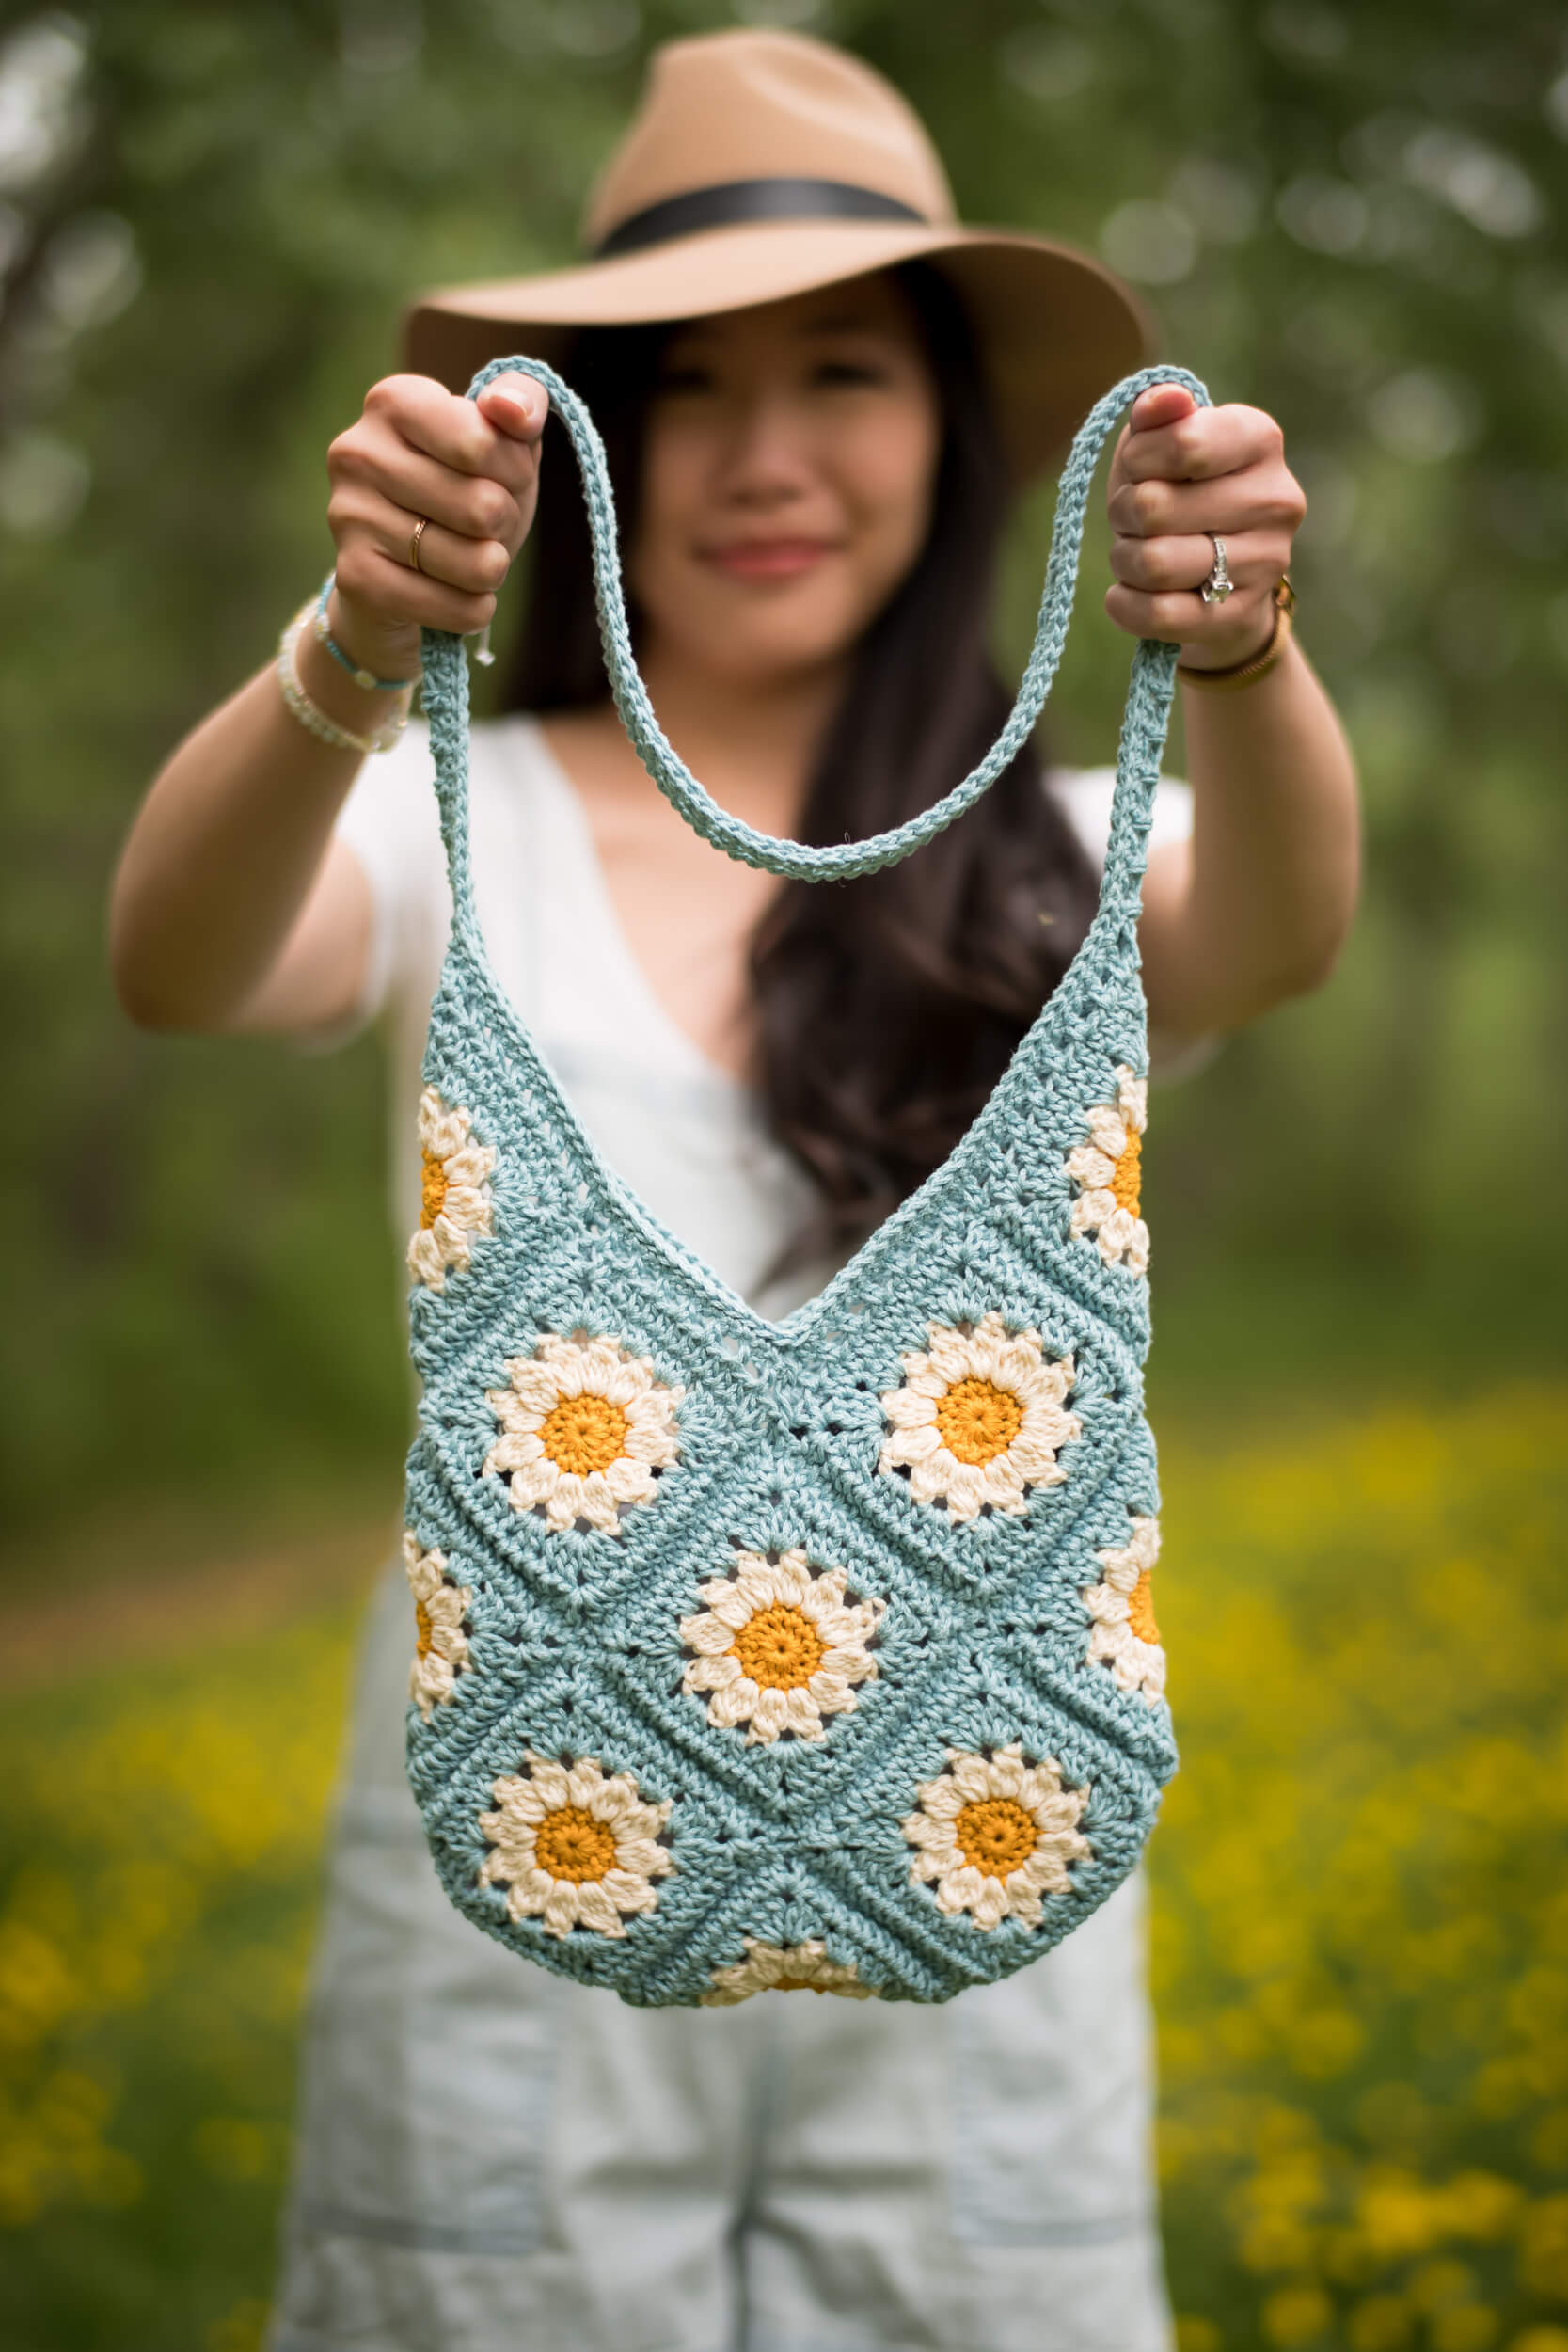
471,469
1180,473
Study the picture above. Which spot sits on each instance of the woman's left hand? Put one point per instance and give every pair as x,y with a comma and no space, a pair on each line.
1182,472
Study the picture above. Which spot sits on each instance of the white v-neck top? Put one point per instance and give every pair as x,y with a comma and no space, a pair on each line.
681,1132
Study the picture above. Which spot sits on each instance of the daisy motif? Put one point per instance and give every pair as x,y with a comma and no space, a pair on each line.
779,1648
979,1419
784,1968
1125,1636
1106,1171
454,1192
585,1427
995,1835
574,1848
441,1652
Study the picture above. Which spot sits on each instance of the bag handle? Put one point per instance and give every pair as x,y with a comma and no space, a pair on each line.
446,680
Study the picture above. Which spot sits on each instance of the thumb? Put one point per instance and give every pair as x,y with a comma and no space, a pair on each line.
1163,403
515,404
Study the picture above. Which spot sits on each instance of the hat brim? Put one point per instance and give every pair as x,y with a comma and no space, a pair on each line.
1055,330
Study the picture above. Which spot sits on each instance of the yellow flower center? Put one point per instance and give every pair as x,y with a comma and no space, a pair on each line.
1140,1609
426,1630
572,1845
1125,1182
996,1837
779,1648
978,1420
433,1189
584,1434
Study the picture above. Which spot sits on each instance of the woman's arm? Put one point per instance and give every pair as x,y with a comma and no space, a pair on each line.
233,909
1255,907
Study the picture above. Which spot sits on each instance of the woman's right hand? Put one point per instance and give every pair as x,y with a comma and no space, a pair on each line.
471,469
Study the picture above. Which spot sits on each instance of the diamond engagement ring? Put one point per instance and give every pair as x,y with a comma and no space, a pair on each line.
1219,583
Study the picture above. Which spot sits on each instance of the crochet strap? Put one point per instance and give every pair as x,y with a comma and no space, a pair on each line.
445,681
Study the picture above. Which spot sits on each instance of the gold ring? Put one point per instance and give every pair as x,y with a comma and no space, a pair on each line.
419,529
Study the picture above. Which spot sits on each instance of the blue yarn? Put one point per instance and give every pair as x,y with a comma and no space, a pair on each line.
573,1645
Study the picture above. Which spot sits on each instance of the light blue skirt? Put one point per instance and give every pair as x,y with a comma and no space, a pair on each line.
493,2159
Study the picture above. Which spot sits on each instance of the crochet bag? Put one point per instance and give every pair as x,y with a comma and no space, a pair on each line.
816,1652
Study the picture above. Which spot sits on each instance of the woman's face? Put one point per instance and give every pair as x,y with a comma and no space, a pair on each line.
787,478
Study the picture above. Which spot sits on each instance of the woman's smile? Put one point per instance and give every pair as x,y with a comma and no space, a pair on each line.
759,559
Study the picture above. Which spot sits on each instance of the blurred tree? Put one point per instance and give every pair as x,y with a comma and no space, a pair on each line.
209,219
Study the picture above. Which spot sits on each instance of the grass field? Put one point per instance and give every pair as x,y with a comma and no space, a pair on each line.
1361,1948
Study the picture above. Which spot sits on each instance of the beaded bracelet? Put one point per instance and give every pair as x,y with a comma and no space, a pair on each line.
310,716
366,679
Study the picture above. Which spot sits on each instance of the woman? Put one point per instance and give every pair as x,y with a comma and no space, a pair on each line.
816,390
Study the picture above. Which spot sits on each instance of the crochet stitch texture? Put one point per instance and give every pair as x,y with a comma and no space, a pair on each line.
768,1657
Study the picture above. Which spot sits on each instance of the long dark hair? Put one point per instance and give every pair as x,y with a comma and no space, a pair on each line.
888,1007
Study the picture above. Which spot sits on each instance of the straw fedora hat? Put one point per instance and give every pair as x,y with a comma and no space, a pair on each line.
766,164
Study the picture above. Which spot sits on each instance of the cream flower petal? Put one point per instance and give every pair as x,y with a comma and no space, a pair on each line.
1002,1481
534,1388
596,1909
425,1569
769,1716
425,1262
734,1705
563,1907
712,1674
943,1800
598,1505
441,1131
1133,1096
952,1353
518,1450
1017,1367
971,1777
912,1444
708,1634
627,1480
1108,1132
906,1408
1092,1210
966,1490
629,1893
736,1604
792,1579
470,1164
531,1891
1116,1231
963,1889
1091,1167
